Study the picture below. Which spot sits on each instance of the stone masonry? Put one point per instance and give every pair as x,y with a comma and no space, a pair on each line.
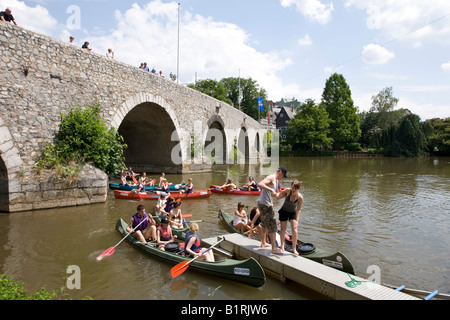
42,78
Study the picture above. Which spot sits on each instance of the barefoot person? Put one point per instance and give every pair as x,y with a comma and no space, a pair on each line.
269,188
290,210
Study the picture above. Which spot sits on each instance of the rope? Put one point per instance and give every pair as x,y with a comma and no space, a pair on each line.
353,283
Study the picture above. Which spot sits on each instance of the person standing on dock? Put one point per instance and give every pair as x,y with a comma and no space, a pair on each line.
269,188
290,210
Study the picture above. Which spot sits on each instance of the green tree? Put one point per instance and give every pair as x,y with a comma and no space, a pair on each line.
405,139
250,90
439,137
384,101
212,88
309,127
227,90
344,120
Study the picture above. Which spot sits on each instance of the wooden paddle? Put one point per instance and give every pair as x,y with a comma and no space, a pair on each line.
182,266
110,251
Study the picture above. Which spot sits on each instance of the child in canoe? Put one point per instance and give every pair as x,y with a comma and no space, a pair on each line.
164,233
192,246
240,219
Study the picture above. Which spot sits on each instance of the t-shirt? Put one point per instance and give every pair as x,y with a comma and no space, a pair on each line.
7,17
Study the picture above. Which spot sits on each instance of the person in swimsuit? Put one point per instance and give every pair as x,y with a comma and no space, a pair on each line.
175,216
229,185
240,219
290,210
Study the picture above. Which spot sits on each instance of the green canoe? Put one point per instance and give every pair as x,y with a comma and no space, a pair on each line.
246,271
335,260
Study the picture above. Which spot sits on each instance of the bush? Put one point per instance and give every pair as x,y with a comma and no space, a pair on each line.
83,137
354,147
14,290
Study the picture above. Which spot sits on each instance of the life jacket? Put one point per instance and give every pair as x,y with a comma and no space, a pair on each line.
196,246
165,234
168,206
137,220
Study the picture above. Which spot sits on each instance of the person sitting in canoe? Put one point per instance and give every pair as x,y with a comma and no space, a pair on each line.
168,206
164,186
123,177
140,188
161,203
164,233
240,219
163,177
229,185
147,229
188,187
146,181
251,185
192,247
175,216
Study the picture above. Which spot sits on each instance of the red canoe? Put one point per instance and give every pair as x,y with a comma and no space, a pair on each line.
238,191
198,194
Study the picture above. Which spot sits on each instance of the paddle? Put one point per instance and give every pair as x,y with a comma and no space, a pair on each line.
187,222
182,266
110,251
189,215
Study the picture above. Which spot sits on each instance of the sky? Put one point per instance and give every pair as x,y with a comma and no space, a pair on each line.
290,47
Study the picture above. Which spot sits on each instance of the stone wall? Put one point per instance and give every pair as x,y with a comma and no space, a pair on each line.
50,191
43,78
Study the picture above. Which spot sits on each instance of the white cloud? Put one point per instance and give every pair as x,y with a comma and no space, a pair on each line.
210,48
313,10
446,66
375,54
305,41
411,21
36,19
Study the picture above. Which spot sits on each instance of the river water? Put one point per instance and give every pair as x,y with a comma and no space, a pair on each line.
392,213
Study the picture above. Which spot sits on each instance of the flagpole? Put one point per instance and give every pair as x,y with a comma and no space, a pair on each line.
239,90
178,46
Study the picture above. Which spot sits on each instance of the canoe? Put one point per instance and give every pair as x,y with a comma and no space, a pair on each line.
118,186
247,271
335,260
238,191
198,194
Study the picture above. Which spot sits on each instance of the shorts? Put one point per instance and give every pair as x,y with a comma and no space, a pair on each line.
286,215
267,217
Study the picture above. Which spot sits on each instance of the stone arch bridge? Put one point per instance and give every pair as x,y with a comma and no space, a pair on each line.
166,126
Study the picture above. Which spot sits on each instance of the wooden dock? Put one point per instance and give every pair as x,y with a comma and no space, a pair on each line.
330,282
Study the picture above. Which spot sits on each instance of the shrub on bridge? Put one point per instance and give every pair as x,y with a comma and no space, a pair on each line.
84,137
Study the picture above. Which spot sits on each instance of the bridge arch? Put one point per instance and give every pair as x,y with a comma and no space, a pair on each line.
243,143
152,132
216,140
10,167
